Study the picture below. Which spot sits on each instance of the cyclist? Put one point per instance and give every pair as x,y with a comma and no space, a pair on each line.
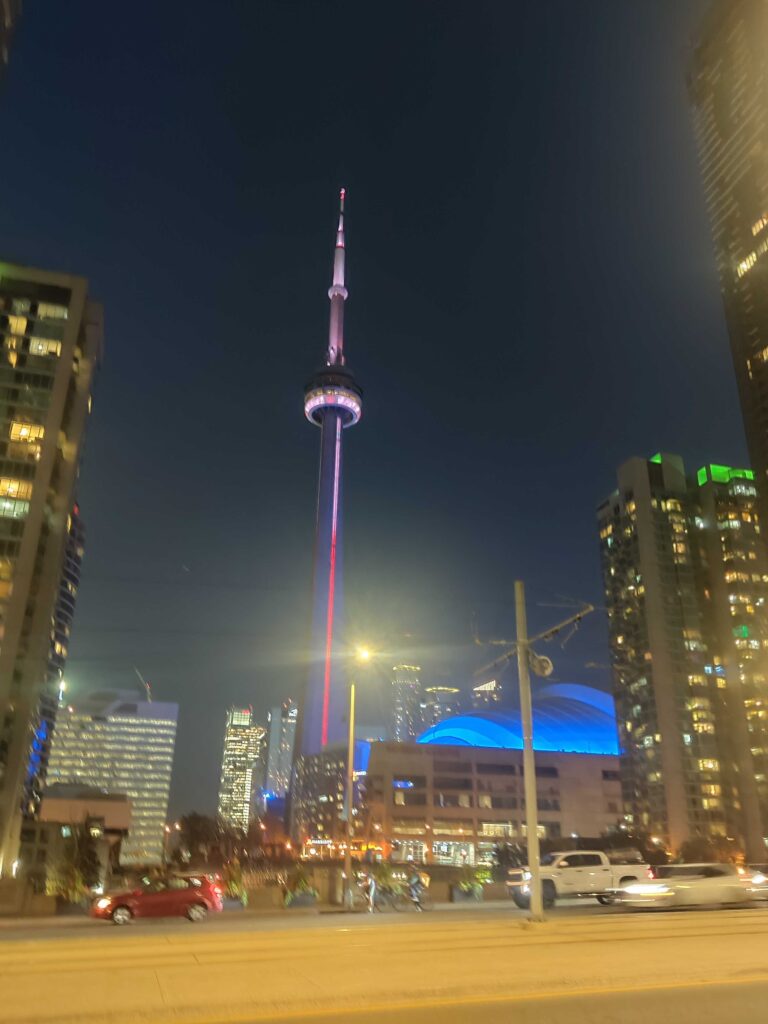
415,886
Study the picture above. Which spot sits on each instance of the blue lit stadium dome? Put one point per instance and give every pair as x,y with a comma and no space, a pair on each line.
566,718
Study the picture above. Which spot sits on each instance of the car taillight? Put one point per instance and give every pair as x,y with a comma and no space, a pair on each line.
650,873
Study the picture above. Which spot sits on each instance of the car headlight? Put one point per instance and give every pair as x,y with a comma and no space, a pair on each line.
759,878
103,903
527,876
647,889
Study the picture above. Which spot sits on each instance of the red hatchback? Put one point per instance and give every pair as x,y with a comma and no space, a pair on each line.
191,896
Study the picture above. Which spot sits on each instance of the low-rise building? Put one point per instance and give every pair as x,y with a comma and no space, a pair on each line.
456,793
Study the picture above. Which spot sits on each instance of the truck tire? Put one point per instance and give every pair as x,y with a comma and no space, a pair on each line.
548,893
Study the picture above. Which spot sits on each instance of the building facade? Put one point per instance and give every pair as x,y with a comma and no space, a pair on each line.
112,741
486,694
728,88
53,689
281,737
406,703
50,338
439,703
9,14
241,766
673,570
333,402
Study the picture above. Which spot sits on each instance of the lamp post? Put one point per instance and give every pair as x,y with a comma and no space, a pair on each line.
362,655
527,659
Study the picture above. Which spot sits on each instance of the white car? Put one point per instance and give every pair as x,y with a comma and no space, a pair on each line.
689,885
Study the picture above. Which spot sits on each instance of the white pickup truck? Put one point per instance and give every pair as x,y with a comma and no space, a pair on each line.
576,873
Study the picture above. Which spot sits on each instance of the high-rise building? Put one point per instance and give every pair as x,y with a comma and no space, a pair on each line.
281,736
735,596
671,574
53,689
9,13
728,88
439,703
242,757
120,744
406,702
50,343
486,694
333,402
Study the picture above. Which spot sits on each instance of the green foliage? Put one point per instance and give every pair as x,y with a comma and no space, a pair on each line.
699,849
471,882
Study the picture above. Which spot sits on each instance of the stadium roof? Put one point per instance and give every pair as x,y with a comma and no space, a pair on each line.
567,717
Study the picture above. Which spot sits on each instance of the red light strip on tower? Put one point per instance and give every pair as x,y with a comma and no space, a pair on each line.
331,583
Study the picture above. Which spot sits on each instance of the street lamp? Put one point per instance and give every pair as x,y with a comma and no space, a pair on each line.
362,656
527,659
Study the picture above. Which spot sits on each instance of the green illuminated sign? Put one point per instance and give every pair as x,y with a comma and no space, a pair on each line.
722,474
655,458
741,631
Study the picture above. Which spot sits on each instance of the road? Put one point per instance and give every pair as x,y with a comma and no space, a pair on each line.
467,965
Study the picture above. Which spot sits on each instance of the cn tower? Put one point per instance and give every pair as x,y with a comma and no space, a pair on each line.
333,402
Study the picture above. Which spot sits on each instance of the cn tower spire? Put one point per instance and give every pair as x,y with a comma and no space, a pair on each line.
337,293
333,402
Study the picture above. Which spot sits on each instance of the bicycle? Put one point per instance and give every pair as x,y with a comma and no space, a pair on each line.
405,901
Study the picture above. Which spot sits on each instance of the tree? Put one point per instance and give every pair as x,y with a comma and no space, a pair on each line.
700,849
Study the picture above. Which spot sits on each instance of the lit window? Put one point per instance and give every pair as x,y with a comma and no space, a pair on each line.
44,347
12,488
13,509
26,431
17,324
49,311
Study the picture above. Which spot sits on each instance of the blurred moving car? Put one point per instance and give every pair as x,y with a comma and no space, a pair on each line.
689,885
757,875
190,896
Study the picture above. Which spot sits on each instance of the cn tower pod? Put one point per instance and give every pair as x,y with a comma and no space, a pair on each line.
333,387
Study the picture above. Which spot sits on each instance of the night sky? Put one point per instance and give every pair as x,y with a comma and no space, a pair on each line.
533,299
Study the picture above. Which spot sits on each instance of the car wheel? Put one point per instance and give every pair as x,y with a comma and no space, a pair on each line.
548,894
605,901
522,899
122,915
197,912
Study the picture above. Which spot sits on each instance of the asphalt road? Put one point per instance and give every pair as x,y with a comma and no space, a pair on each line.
65,927
582,965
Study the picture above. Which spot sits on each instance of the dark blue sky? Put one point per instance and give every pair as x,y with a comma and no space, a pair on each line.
532,299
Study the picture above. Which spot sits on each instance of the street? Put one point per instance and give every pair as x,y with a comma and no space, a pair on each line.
450,965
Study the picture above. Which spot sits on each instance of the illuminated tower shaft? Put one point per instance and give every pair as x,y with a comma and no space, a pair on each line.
332,401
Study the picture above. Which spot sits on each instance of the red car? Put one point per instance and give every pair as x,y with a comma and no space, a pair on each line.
191,896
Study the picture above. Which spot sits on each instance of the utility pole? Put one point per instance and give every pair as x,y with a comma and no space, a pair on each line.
527,659
348,897
529,760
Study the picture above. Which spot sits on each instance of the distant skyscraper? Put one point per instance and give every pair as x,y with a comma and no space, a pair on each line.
406,702
50,342
242,756
61,627
281,736
439,703
486,694
332,401
673,568
728,87
9,13
115,742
